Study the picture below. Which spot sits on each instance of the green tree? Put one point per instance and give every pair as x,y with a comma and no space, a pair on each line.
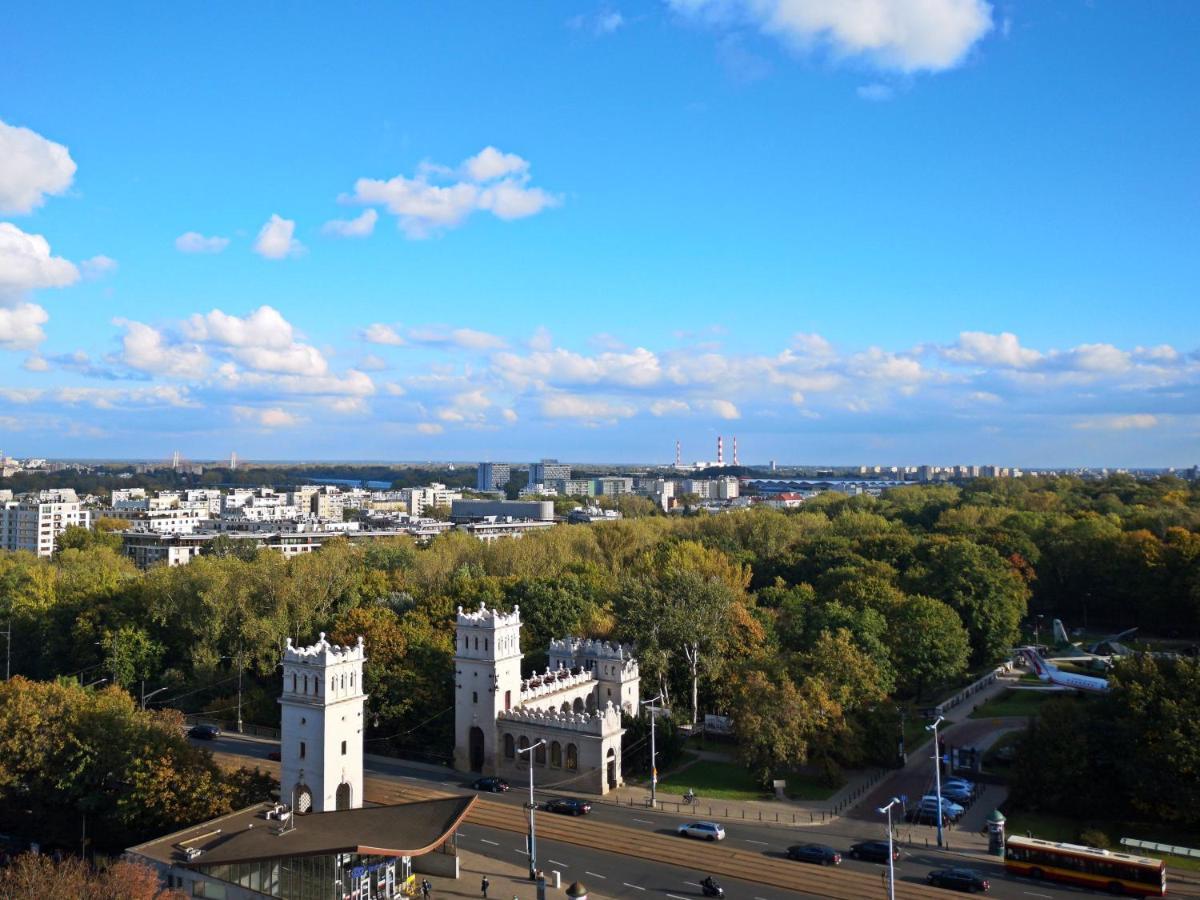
131,655
928,643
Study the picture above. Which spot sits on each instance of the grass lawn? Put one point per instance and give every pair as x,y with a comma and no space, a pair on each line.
991,759
1014,703
712,780
1060,828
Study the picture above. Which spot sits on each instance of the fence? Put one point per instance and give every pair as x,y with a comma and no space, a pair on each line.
252,730
970,690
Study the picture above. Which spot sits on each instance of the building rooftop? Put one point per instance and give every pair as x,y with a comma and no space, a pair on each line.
407,829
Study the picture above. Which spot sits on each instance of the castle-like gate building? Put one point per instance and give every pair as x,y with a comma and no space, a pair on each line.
574,706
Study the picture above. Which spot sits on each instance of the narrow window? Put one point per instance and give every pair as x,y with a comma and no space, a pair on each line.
485,643
508,700
293,682
343,748
474,696
302,748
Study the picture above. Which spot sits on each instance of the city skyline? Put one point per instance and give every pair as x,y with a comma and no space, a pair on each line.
964,234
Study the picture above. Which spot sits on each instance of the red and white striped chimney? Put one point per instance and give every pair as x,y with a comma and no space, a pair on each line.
720,450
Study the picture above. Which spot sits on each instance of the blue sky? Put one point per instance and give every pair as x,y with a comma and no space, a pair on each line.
881,231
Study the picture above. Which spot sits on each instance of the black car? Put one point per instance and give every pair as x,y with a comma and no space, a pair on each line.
959,879
815,853
873,851
204,732
568,806
491,783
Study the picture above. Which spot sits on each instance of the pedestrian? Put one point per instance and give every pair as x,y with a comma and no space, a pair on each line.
483,886
426,888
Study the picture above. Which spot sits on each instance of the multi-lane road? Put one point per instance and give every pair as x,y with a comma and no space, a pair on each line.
635,852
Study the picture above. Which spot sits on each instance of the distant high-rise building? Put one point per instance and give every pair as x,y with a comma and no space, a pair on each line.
492,476
548,470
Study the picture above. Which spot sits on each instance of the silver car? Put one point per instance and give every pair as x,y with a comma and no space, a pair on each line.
705,831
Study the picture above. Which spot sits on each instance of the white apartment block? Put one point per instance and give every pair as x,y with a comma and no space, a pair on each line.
34,523
420,499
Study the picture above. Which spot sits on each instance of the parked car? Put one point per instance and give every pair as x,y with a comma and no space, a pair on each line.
949,807
959,879
568,806
961,784
705,831
959,795
815,853
275,756
925,816
204,732
491,783
873,851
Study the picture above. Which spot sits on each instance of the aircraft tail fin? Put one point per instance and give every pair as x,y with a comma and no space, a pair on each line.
1061,638
1040,667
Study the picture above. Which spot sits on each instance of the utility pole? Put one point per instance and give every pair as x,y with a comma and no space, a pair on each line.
653,756
532,806
241,668
937,772
891,853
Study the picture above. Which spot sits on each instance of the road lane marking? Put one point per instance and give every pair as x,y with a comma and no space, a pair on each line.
644,821
748,841
594,874
1032,894
636,887
555,862
493,843
677,897
692,883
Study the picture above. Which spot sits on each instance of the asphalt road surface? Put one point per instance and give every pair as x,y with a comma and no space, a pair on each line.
675,870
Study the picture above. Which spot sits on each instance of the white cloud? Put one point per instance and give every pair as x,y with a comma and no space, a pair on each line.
573,406
98,267
30,168
1162,353
430,201
349,383
378,333
112,398
265,327
464,338
394,389
979,347
146,349
637,368
875,364
510,416
35,363
26,265
900,35
269,418
275,240
373,363
22,396
725,409
609,21
21,326
347,406
541,339
1098,358
668,407
264,341
489,163
429,428
360,226
195,242
1120,423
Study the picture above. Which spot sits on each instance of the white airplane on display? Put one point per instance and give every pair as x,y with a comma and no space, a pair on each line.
1051,673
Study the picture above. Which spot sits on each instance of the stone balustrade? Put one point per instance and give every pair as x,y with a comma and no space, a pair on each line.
553,681
600,722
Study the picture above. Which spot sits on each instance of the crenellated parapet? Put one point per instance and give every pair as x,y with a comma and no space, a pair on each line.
601,722
553,681
323,653
610,660
488,618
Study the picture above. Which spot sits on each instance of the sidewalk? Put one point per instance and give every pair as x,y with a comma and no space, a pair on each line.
506,881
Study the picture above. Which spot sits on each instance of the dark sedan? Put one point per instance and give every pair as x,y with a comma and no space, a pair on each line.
815,853
204,732
491,783
568,806
873,851
959,879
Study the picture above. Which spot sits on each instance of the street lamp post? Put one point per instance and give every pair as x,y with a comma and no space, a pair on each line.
96,682
937,772
653,756
146,696
532,807
238,660
891,853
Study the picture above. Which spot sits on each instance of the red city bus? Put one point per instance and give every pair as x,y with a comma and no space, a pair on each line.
1088,867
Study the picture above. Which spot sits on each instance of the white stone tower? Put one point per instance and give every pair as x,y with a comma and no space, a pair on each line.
321,735
487,681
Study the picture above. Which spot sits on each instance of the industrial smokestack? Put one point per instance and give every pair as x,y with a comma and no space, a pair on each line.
720,450
735,458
